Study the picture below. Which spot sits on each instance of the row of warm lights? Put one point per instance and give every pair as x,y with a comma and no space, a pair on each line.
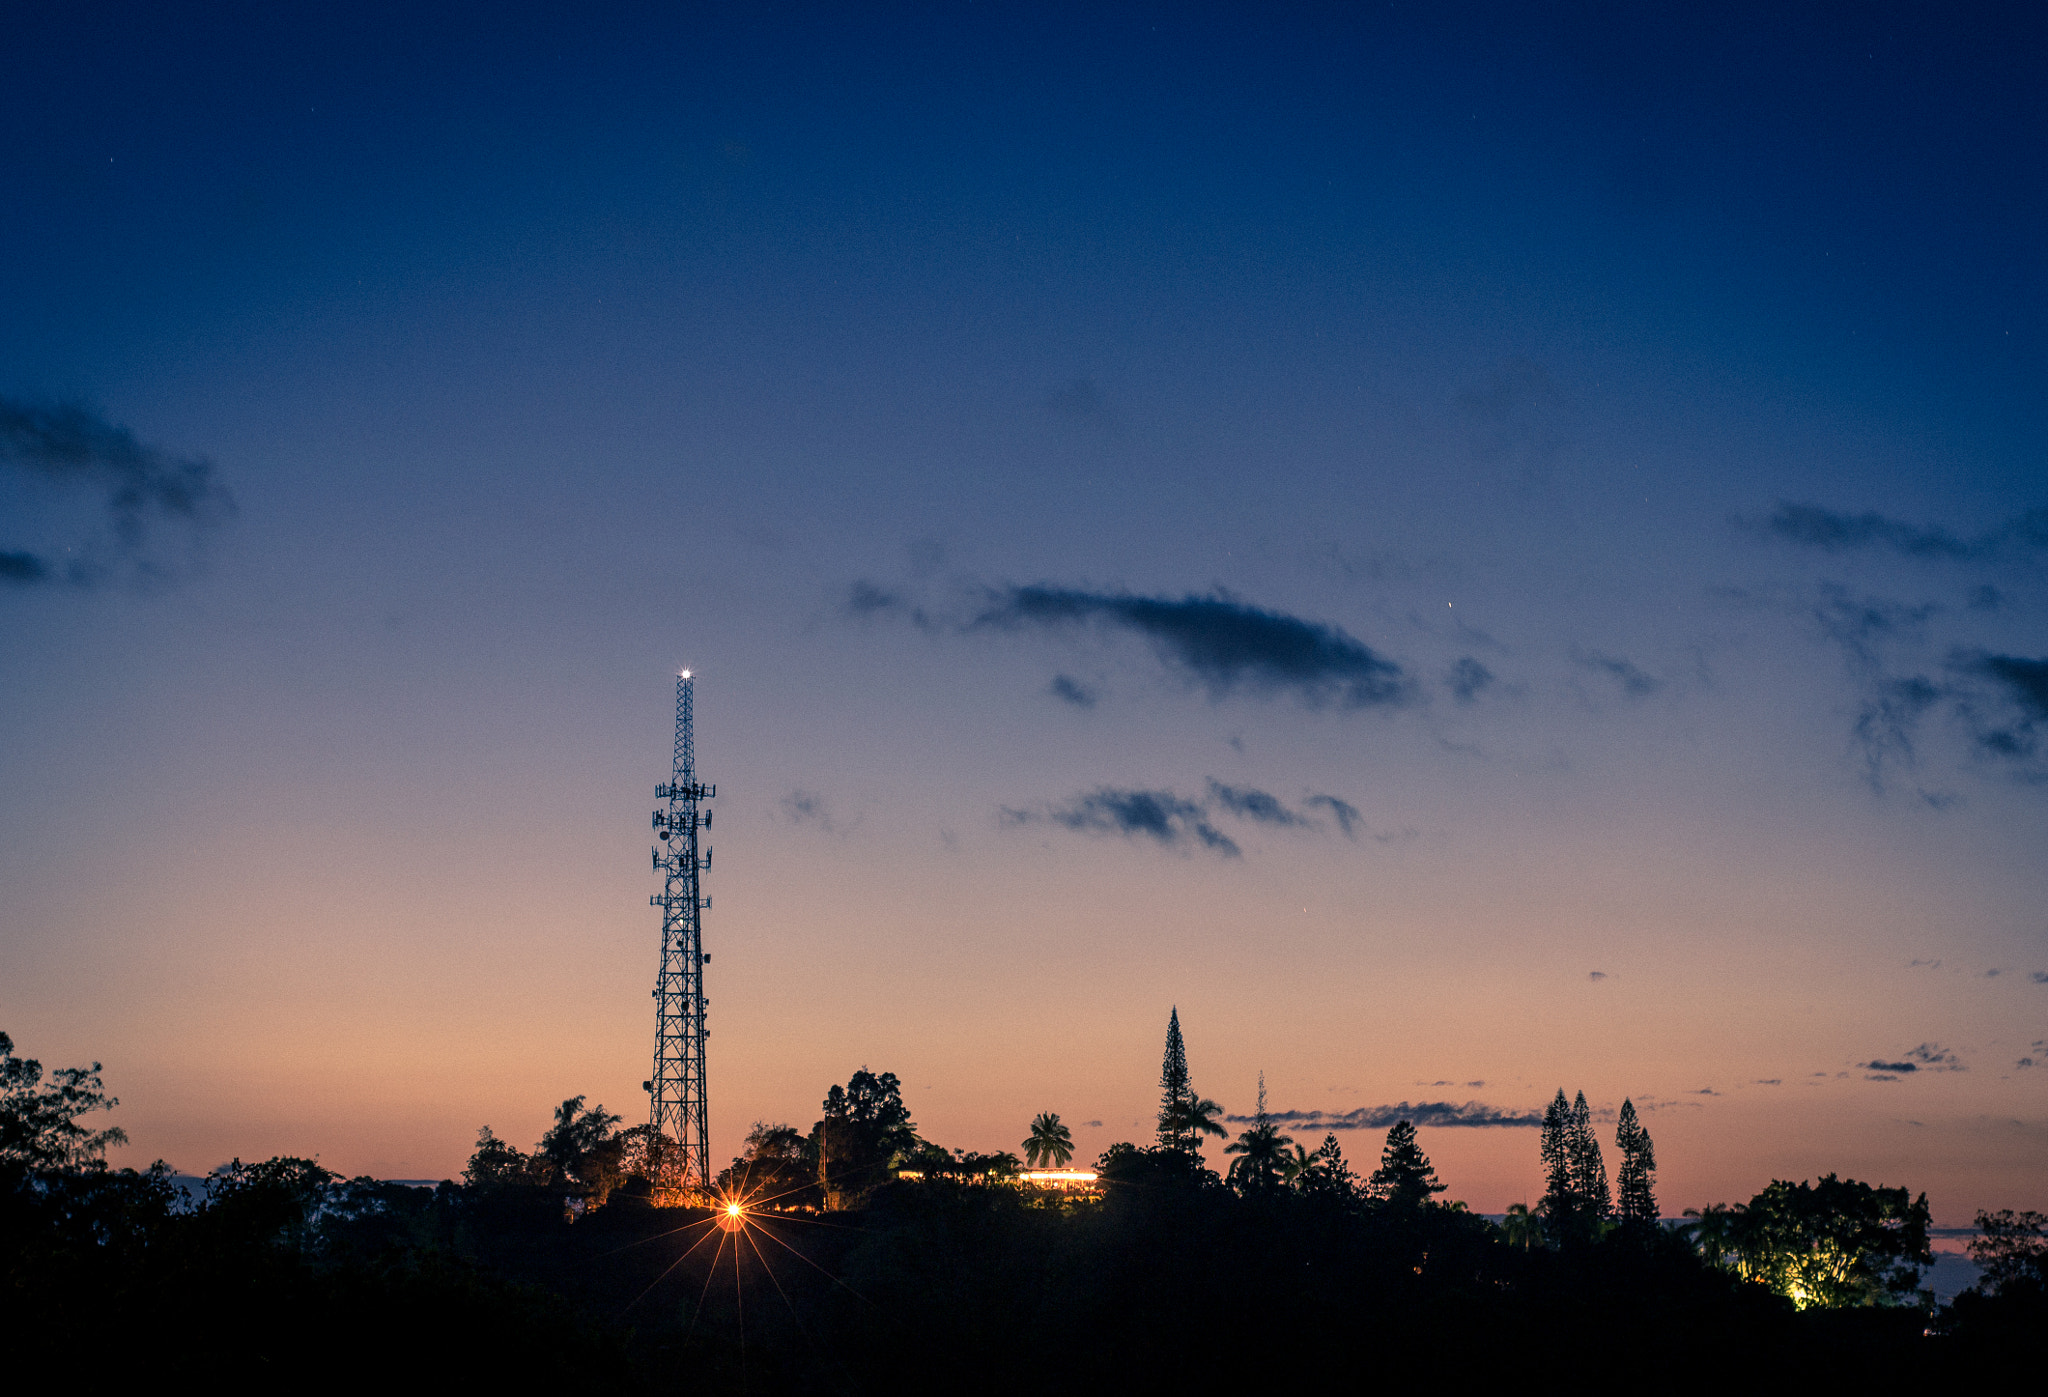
1035,1176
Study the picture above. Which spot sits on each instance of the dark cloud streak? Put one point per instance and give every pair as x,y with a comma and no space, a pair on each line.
1070,690
1169,820
1253,805
1472,1114
1633,681
1833,531
71,446
1343,811
1220,642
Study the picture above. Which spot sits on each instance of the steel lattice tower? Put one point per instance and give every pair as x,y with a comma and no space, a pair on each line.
678,1087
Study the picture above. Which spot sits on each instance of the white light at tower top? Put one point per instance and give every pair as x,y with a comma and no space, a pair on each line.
686,674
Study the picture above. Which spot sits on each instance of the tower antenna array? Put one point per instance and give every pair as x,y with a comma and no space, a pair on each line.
677,1086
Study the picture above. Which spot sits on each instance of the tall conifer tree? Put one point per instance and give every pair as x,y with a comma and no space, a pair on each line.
1637,1177
1559,1204
1175,1093
1405,1178
1588,1169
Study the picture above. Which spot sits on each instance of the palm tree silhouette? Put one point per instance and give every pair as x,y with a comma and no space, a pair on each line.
1263,1159
1524,1228
1050,1142
1196,1117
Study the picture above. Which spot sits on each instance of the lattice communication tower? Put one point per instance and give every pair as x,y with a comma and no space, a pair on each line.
677,1087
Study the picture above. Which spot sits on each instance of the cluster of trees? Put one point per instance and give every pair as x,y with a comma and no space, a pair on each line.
864,1139
583,1158
1267,1163
1577,1204
125,1277
1174,1277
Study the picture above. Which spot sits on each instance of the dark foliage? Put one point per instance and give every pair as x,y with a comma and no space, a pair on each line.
1637,1204
281,1274
865,1130
1405,1178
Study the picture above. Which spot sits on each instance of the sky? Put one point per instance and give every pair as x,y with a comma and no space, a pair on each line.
1470,551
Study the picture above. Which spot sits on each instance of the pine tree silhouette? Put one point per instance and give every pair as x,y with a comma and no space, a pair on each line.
1588,1170
1560,1205
1405,1178
1636,1180
1175,1093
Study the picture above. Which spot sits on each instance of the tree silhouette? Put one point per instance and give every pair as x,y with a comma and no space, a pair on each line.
1323,1173
1262,1162
39,1126
497,1163
1175,1092
580,1150
1559,1204
2012,1247
1636,1179
1522,1227
866,1126
1050,1142
1196,1118
1588,1170
1405,1179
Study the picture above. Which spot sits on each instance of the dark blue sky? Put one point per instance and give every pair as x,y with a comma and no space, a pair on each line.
1599,450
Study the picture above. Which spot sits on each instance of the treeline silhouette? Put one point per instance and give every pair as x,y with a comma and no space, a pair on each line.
560,1268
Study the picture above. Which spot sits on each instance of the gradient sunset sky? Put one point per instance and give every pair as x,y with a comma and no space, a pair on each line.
1471,552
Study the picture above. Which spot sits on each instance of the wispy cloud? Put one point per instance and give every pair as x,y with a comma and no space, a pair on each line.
1633,681
1175,821
801,807
1169,820
1219,642
1836,531
1422,1113
1081,400
1928,1057
1254,805
867,599
2005,717
1343,811
142,488
1468,679
1999,701
1067,689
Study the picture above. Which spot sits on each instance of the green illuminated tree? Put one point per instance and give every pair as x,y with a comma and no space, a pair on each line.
1635,1182
1827,1244
1050,1142
1405,1179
